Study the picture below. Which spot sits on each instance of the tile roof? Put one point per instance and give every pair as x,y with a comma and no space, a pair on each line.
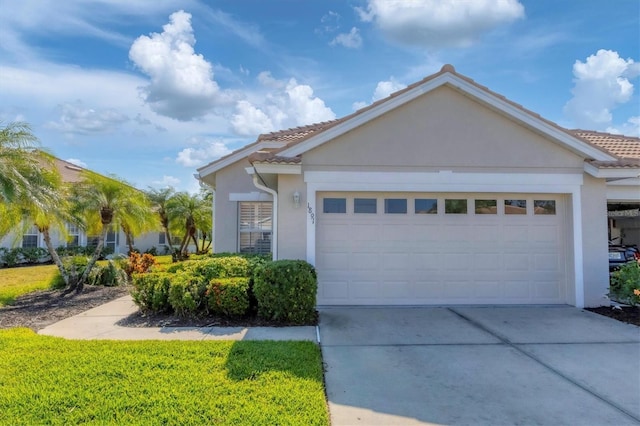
69,172
619,145
616,145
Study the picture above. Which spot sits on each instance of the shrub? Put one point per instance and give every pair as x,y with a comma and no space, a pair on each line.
33,254
109,275
138,264
286,291
153,251
11,257
187,294
228,296
625,283
176,267
151,291
225,267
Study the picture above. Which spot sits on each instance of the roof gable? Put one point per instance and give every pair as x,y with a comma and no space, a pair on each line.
447,76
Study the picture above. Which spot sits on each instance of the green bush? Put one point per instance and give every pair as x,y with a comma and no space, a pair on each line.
286,291
625,284
224,267
151,291
228,296
176,267
11,257
109,275
187,294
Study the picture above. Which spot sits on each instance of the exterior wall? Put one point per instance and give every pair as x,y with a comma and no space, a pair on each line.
443,130
231,179
595,241
292,223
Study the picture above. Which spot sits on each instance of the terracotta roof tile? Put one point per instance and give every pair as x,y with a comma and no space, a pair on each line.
618,145
266,157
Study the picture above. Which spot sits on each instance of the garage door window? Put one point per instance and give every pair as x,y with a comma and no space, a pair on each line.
515,206
455,206
486,206
334,205
545,207
395,206
426,206
365,205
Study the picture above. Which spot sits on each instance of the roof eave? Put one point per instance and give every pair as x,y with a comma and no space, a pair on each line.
612,173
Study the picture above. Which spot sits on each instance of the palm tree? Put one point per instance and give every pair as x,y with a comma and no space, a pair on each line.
194,211
160,200
106,203
21,165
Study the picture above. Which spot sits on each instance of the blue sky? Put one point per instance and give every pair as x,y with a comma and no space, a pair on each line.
151,90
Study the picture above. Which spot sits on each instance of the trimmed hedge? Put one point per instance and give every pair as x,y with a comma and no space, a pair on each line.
228,296
151,291
232,286
286,291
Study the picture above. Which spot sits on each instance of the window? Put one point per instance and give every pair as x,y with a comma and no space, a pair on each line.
254,227
334,205
426,206
515,206
74,235
395,206
365,205
455,206
486,207
112,240
30,238
162,238
544,207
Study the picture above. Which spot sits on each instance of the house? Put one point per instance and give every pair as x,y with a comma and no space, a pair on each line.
115,242
443,193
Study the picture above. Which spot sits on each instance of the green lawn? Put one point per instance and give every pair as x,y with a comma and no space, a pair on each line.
15,282
46,380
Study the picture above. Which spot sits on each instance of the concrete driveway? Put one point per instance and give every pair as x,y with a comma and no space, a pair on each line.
480,365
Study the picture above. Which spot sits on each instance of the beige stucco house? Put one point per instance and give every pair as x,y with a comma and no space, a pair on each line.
443,193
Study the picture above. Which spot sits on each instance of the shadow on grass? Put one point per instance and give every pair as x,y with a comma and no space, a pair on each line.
248,360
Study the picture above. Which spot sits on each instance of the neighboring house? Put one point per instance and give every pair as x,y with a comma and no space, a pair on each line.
443,193
115,240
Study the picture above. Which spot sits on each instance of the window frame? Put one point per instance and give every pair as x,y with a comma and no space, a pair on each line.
256,227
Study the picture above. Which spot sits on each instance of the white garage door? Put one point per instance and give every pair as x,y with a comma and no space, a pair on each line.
416,249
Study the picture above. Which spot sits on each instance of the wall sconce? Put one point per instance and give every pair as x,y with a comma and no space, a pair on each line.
296,199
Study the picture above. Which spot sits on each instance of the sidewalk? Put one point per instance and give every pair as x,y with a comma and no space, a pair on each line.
100,323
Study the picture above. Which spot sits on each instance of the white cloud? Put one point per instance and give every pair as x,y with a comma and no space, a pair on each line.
182,84
77,162
75,118
383,89
439,23
167,181
601,84
350,40
209,150
286,104
630,128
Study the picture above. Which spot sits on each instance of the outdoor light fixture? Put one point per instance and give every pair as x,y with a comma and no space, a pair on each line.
296,199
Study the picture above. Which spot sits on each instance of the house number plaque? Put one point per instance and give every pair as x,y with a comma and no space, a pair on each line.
312,215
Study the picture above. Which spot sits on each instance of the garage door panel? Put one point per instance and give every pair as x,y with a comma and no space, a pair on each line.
386,259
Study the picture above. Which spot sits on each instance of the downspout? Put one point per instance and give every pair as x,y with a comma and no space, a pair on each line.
274,231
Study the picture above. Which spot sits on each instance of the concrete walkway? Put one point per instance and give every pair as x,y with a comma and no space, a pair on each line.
479,366
101,323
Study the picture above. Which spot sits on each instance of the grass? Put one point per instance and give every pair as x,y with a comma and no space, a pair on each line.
47,380
15,282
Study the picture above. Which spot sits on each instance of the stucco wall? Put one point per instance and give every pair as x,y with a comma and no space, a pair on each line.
595,243
231,179
292,231
444,130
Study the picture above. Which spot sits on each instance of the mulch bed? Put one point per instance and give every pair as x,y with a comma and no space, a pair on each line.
41,308
628,314
149,319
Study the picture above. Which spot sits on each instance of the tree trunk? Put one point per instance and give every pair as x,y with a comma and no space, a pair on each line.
93,260
167,242
129,237
54,256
